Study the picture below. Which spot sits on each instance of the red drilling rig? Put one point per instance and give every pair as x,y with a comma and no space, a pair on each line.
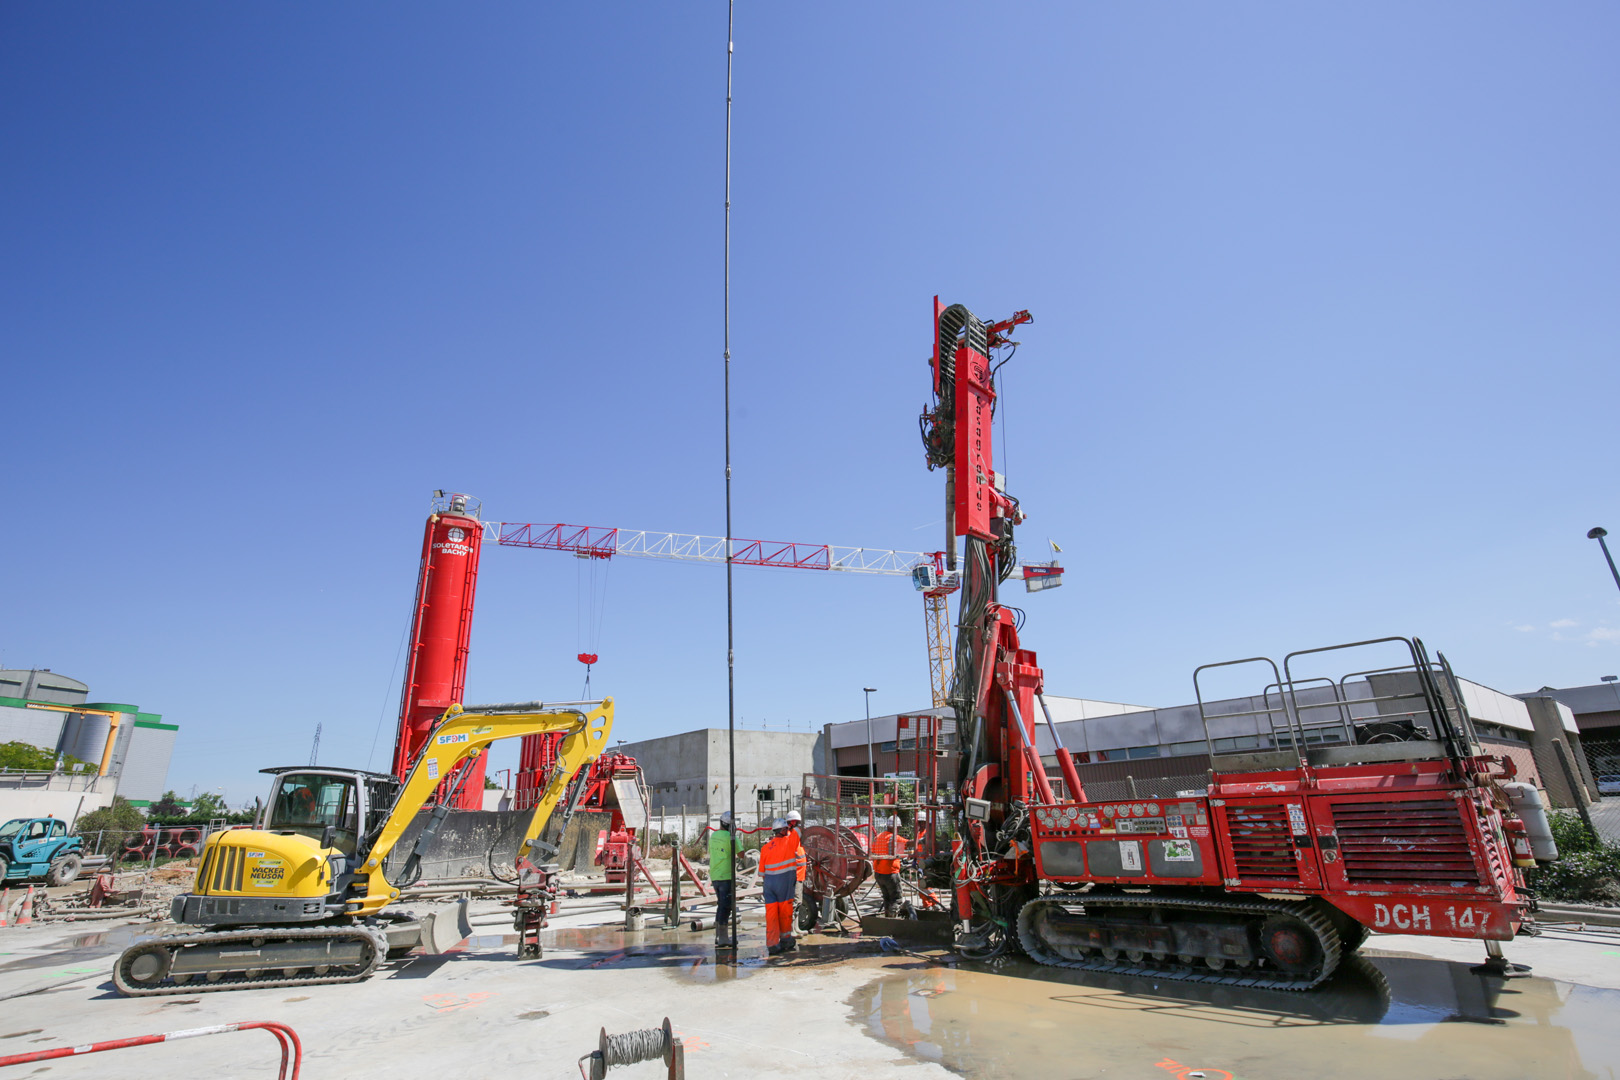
1367,805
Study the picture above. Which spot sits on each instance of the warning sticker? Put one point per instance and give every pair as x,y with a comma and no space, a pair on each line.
433,768
1178,851
1179,830
1296,819
1130,854
1199,831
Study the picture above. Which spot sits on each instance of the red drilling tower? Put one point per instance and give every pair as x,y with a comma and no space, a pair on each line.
441,625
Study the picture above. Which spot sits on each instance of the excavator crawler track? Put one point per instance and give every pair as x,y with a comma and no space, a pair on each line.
1036,922
251,958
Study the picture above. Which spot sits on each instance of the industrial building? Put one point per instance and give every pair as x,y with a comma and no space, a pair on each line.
126,751
1596,708
893,738
688,771
1126,750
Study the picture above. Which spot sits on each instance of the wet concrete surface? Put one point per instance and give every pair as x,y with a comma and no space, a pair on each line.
839,1008
1379,1016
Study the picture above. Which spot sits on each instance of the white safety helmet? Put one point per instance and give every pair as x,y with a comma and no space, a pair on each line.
725,817
779,823
793,815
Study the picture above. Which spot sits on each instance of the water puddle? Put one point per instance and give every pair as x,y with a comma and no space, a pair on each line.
71,955
1377,1017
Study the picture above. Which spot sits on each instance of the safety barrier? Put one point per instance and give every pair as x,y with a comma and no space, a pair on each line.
292,1051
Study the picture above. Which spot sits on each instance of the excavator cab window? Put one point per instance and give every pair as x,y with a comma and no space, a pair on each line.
306,803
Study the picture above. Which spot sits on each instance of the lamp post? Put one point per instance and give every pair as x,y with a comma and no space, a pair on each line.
871,768
1598,534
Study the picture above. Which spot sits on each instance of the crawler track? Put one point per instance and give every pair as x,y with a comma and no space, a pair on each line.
1040,921
240,959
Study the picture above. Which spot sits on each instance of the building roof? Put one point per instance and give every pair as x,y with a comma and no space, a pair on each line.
1598,697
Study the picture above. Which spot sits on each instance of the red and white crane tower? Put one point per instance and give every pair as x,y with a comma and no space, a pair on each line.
442,622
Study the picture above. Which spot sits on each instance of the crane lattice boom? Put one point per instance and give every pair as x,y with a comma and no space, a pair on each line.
600,542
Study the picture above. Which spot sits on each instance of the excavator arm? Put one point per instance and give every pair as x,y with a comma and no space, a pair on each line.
463,733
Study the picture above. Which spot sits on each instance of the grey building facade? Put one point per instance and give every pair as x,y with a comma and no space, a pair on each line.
690,770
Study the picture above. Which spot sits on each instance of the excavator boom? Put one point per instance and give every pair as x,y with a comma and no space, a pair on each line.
463,734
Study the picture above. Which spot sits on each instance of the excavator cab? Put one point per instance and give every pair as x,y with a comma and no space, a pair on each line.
306,800
309,802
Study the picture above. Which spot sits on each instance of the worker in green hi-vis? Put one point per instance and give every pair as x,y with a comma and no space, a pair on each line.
722,845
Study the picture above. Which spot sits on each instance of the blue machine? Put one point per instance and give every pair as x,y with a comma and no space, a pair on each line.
39,848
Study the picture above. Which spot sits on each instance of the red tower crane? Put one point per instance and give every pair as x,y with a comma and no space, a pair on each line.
926,569
441,625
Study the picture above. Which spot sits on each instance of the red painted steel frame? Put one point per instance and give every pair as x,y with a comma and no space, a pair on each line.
975,473
1418,886
594,541
292,1051
436,675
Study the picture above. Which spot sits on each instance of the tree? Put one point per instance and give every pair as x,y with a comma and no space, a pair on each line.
115,822
208,805
167,806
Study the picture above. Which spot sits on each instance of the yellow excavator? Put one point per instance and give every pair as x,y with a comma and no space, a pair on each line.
299,899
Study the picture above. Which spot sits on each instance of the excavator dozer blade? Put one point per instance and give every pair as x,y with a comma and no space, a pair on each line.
444,930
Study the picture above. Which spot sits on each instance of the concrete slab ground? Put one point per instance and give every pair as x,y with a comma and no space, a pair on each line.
1409,1007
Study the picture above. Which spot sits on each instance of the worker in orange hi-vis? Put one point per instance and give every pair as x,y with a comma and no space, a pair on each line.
778,863
887,850
796,822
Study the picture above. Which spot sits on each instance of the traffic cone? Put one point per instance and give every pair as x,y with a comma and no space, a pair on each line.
27,915
5,906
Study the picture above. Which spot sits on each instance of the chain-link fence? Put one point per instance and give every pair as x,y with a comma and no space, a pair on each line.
1594,769
149,845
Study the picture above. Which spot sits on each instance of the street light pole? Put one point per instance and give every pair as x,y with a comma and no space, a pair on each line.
871,768
1598,534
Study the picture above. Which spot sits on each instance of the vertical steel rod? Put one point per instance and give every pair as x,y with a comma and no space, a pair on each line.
731,654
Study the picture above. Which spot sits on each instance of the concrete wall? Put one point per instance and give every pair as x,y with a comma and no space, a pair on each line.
33,802
1555,722
690,769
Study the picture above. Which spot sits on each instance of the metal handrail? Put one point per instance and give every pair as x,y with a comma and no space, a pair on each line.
1209,741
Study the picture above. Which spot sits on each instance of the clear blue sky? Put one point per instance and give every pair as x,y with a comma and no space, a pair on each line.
1327,310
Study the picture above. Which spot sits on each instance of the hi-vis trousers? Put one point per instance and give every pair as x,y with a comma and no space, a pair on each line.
779,906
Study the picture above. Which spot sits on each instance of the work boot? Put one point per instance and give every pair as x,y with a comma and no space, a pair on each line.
722,940
888,911
789,944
